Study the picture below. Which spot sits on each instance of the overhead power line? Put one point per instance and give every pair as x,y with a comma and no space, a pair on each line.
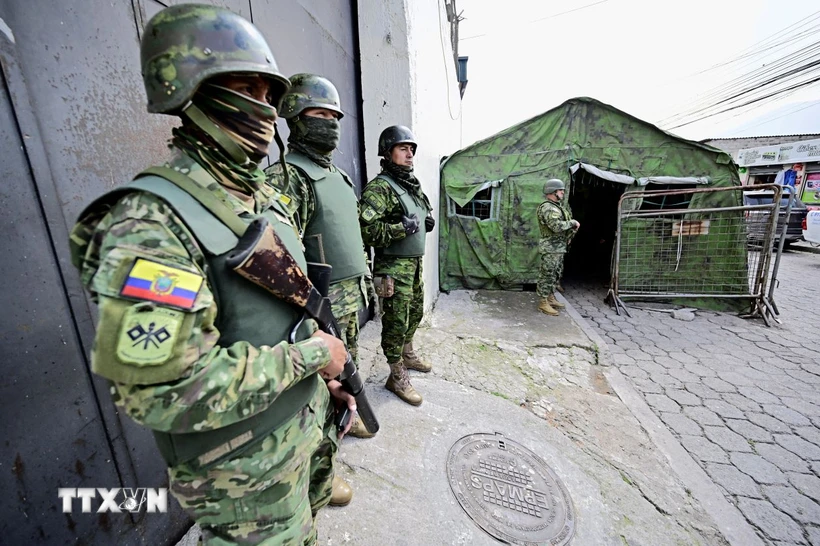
786,63
745,53
783,115
794,87
751,79
753,82
518,28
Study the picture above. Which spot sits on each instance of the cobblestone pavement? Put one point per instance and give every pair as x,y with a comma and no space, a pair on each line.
741,398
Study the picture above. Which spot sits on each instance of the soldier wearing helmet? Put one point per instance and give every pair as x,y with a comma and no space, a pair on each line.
323,201
193,351
557,228
394,209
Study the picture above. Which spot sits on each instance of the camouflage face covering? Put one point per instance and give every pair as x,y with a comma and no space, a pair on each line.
314,137
247,121
401,173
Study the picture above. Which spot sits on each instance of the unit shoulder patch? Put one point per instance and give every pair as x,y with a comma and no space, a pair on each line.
148,335
369,213
153,281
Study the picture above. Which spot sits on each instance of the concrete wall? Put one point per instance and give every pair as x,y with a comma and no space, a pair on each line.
409,78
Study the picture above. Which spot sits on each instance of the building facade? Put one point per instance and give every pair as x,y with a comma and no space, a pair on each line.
792,160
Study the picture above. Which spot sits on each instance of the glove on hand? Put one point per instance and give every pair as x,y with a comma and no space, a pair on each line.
410,223
429,224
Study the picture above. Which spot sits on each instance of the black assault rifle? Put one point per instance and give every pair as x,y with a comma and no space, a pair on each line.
261,257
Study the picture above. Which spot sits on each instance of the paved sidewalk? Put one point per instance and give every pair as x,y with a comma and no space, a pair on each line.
501,366
741,398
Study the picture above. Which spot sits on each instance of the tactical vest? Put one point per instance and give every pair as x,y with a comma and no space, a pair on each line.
246,312
552,242
333,235
411,246
565,215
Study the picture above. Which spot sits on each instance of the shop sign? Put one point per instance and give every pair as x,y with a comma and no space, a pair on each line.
789,152
811,190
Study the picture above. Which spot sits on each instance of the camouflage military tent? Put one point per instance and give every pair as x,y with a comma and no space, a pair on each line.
492,188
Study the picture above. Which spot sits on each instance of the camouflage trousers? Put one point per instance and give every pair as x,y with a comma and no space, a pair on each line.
552,265
349,326
402,313
269,495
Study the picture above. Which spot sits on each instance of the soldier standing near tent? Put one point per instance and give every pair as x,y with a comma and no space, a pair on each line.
193,351
560,276
394,207
324,203
557,228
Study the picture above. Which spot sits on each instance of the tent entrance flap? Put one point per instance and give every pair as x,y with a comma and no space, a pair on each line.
594,203
602,174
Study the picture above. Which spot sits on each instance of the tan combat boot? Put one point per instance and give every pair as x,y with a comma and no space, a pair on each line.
398,382
358,430
342,493
412,361
545,307
559,287
554,302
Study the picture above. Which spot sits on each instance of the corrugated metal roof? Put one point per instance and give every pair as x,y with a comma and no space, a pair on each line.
760,136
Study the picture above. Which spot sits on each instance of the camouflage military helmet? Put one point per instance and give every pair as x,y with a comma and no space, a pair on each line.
186,44
310,91
396,134
553,185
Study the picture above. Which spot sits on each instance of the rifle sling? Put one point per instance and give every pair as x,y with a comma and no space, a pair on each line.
207,199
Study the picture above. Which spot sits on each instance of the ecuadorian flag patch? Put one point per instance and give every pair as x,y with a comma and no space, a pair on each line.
153,281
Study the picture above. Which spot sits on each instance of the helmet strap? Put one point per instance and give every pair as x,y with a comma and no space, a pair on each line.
198,118
281,145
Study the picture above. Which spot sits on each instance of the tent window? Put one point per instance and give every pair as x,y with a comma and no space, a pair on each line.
482,206
665,201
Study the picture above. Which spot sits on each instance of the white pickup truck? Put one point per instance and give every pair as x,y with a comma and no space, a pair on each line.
811,227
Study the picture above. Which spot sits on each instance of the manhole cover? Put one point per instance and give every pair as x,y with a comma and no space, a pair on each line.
509,491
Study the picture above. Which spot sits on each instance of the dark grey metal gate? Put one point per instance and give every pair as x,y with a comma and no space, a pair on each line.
717,250
73,124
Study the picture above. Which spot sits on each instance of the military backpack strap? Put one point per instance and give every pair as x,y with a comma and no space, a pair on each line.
207,199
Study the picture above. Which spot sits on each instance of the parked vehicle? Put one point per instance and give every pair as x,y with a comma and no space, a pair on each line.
757,221
811,227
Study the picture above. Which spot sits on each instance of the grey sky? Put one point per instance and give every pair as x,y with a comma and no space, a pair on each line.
641,56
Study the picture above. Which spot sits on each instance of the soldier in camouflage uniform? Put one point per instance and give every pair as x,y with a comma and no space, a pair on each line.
393,207
568,212
557,228
323,200
193,351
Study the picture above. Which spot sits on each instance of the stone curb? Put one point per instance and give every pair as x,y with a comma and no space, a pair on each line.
602,352
804,248
727,517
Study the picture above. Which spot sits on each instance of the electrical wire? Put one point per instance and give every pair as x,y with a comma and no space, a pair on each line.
752,95
749,80
518,28
757,86
789,113
800,85
446,66
814,15
763,83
